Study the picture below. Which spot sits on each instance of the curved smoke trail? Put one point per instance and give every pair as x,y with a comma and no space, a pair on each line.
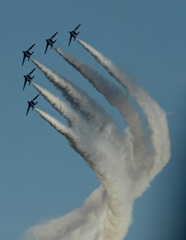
113,95
78,99
151,109
59,105
124,161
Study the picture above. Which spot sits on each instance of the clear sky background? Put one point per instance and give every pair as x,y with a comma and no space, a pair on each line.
41,177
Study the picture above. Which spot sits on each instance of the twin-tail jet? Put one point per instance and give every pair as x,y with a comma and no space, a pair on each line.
73,34
27,54
50,42
28,78
31,104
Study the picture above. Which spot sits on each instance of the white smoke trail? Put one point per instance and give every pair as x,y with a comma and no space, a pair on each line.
78,98
115,97
123,172
161,145
81,222
113,94
67,132
58,126
115,214
59,105
67,113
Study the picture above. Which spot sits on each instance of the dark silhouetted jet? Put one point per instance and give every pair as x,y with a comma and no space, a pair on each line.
73,34
50,42
31,104
28,78
27,53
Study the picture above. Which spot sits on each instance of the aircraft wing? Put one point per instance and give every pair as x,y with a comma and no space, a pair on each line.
46,47
32,71
24,56
54,35
24,85
31,46
35,97
77,27
28,109
70,39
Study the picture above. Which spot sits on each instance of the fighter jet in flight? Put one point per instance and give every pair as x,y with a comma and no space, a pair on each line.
50,42
27,54
73,34
28,78
31,104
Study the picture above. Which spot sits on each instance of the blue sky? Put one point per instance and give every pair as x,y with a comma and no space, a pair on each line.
41,177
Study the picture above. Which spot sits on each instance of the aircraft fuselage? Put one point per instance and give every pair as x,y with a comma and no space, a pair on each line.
73,34
27,54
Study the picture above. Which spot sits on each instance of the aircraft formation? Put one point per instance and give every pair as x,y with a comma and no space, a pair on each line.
27,54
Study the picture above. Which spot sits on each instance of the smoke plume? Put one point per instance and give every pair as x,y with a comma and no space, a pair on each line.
124,161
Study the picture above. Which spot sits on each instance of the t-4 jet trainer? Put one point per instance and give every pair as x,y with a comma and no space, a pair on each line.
31,104
28,78
73,34
50,42
27,53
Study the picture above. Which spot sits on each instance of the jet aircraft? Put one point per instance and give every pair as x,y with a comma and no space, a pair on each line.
73,34
50,42
31,104
28,78
27,53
